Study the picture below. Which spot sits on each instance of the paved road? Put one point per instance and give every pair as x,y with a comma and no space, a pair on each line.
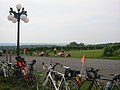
106,66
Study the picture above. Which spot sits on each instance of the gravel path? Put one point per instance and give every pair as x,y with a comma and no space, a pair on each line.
106,66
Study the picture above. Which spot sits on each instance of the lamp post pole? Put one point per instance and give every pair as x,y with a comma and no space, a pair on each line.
18,37
16,17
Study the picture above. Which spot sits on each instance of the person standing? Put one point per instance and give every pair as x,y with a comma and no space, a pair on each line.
55,51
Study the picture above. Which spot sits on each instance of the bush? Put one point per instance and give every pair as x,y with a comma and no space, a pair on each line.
112,50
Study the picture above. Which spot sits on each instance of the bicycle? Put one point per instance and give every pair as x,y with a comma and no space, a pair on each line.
114,83
57,79
29,75
92,81
5,74
5,69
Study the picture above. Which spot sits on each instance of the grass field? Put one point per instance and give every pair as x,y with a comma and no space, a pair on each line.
87,53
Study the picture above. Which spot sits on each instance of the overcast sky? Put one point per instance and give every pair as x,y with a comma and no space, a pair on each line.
63,21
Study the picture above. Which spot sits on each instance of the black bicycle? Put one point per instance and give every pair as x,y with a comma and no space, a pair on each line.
92,81
114,83
27,75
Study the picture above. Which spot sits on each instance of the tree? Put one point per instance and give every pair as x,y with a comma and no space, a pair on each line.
73,44
81,44
112,50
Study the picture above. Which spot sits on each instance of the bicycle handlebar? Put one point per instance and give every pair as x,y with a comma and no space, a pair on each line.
116,77
32,63
53,67
43,65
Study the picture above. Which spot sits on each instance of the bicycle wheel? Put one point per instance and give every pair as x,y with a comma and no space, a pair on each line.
47,84
32,79
70,84
87,85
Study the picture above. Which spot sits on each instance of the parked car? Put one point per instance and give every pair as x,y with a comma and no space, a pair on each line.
1,52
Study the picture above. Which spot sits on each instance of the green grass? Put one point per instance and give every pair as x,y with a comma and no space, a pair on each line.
7,84
87,53
95,54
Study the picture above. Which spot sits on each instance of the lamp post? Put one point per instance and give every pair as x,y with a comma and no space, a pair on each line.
16,17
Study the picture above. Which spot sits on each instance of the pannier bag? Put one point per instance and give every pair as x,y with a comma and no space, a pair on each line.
71,73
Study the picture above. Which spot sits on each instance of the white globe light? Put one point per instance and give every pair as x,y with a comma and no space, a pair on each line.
14,20
23,17
18,6
27,20
10,17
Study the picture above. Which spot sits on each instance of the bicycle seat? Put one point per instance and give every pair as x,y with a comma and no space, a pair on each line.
32,62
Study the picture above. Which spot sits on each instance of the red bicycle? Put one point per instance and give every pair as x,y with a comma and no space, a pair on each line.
21,73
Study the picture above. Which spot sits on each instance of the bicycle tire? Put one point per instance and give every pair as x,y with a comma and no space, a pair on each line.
71,85
87,85
48,85
32,79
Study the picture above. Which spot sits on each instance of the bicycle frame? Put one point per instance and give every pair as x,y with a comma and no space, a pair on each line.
93,78
98,84
25,74
25,71
113,83
49,76
96,77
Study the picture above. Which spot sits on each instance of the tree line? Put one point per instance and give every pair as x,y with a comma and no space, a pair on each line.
110,49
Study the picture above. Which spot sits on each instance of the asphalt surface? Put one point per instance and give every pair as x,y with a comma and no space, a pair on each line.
106,66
